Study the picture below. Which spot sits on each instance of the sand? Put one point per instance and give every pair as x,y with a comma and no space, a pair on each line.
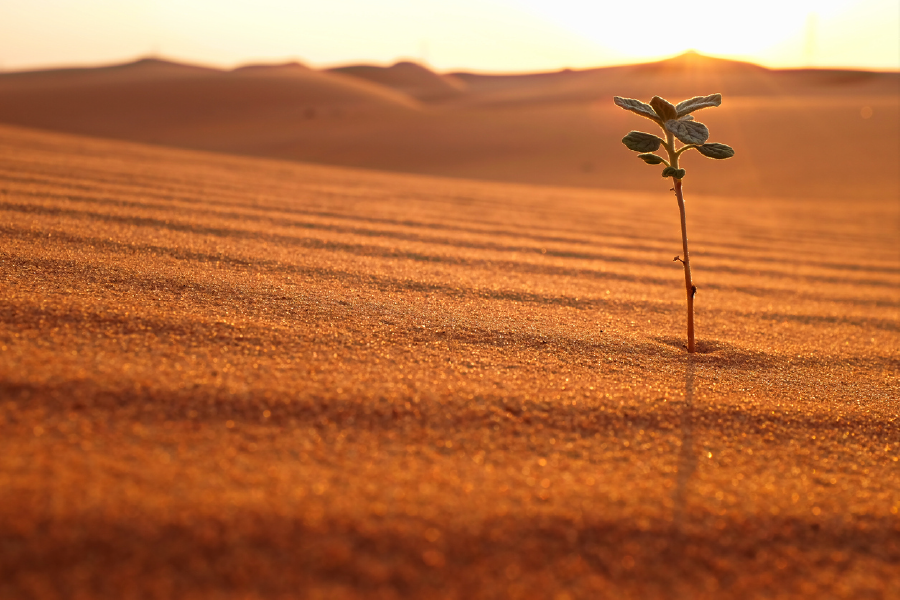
232,377
803,133
409,78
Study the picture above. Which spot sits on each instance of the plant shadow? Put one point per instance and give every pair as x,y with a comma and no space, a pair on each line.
720,353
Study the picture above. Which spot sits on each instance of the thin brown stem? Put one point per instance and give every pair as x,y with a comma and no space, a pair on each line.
686,261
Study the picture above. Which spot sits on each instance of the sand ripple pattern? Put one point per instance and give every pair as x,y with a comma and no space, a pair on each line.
232,377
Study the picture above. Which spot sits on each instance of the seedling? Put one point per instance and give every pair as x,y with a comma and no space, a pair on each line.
677,123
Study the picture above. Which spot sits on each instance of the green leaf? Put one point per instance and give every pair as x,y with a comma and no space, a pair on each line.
688,132
673,172
636,106
650,159
717,151
641,142
698,102
663,108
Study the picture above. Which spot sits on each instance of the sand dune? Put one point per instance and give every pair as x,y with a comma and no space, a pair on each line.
176,104
276,84
802,134
409,78
147,69
233,377
679,77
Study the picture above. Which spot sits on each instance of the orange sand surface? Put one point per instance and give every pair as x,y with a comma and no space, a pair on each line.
227,377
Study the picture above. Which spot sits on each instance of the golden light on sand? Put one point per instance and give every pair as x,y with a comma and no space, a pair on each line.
388,332
225,376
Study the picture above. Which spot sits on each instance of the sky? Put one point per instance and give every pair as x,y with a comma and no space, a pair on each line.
448,35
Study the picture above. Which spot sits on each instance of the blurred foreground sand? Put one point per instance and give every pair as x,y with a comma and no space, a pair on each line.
229,377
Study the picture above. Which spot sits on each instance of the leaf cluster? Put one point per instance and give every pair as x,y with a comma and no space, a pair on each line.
677,122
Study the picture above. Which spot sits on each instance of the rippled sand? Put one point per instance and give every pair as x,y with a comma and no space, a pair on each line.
238,378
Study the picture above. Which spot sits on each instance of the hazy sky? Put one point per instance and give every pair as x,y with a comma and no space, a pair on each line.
481,35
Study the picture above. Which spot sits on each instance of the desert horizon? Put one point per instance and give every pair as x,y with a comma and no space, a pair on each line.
556,128
404,60
384,332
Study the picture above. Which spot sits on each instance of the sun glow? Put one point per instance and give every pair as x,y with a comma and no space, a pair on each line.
480,35
776,32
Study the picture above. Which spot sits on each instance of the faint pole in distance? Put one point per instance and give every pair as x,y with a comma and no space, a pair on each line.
812,23
423,52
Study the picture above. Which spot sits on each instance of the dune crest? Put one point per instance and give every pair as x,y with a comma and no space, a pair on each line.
263,68
409,78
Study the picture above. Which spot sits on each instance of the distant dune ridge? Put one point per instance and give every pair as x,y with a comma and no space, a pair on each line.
410,78
555,128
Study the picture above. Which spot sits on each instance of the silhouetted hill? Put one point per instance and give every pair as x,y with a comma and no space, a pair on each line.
160,101
266,69
680,76
409,78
